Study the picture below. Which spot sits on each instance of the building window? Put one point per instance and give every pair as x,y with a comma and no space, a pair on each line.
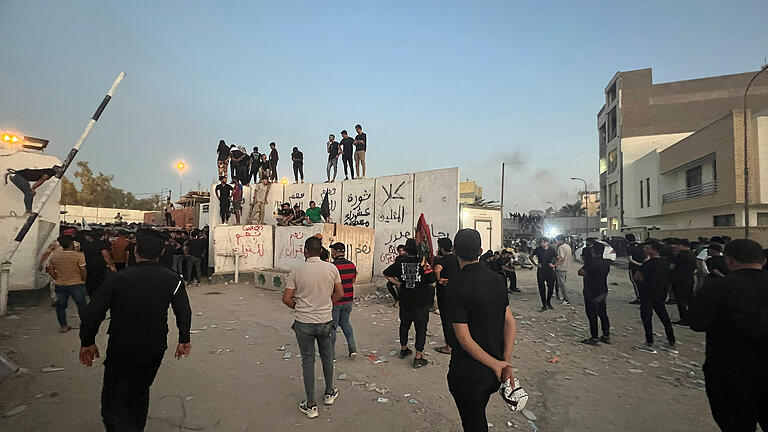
610,95
762,219
613,160
714,170
612,124
641,194
647,191
613,195
693,177
725,220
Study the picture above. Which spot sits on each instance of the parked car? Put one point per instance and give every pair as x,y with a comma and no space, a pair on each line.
609,253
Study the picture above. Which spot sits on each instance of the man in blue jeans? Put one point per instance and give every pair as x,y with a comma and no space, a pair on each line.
311,289
67,267
342,309
22,177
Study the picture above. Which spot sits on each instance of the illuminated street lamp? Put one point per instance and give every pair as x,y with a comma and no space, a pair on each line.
180,166
10,138
284,181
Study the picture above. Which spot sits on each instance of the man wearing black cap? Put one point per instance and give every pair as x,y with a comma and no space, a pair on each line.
733,311
138,300
485,329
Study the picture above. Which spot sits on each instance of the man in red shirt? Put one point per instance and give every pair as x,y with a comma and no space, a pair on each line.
343,308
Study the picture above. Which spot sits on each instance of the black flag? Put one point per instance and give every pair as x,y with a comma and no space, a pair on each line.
325,207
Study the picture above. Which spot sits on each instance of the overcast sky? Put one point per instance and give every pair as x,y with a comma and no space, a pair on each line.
434,84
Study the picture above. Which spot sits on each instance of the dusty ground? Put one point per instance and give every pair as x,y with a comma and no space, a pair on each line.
237,380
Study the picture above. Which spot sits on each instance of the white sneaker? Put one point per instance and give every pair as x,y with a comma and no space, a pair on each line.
331,398
565,302
309,412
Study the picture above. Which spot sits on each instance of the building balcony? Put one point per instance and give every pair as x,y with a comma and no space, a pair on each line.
691,192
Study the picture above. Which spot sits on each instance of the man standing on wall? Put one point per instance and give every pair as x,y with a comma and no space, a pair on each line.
138,300
333,157
223,193
733,310
222,160
347,144
260,193
237,201
342,308
563,263
255,164
544,257
361,145
310,290
485,329
298,165
273,158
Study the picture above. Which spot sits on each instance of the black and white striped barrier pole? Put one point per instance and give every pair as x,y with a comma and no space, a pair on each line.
5,267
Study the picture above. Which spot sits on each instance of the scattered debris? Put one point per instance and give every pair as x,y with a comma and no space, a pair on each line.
18,410
342,376
199,314
15,317
634,363
413,401
529,415
590,372
383,400
286,356
554,359
52,369
393,353
634,371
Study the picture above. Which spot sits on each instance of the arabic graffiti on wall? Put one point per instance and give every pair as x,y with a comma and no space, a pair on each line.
359,213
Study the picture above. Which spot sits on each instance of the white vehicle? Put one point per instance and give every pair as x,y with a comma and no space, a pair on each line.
608,253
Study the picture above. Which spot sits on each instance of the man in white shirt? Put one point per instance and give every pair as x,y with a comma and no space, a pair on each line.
310,290
564,258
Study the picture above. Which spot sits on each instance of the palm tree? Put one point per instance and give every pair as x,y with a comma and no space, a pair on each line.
574,209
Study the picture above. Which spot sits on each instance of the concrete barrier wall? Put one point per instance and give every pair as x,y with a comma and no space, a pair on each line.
274,199
359,242
393,217
254,243
334,198
300,194
289,243
435,193
357,203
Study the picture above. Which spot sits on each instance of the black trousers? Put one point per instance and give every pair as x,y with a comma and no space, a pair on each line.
125,394
419,317
546,276
683,290
511,277
273,170
737,399
392,290
647,308
347,160
448,333
224,211
471,387
93,281
298,171
635,283
595,308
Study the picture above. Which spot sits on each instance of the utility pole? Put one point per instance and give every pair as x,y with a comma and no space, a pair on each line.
5,267
746,159
586,207
502,191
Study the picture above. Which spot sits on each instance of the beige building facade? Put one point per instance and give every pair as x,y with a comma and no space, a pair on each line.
671,154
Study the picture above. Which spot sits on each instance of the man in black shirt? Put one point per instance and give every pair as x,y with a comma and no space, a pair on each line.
361,145
22,177
545,258
138,300
255,164
222,160
654,278
333,158
224,194
716,262
734,312
347,143
300,216
284,215
194,250
446,268
273,158
478,310
239,164
298,165
635,255
595,272
416,297
681,276
98,260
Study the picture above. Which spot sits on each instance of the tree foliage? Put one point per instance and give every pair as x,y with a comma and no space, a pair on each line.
97,191
574,209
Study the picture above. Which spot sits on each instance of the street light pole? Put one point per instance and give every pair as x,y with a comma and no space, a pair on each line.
746,160
586,207
180,166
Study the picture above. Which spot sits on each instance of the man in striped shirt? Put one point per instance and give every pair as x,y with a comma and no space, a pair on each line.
343,308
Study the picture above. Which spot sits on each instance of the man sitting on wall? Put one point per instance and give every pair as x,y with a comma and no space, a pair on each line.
284,215
300,217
